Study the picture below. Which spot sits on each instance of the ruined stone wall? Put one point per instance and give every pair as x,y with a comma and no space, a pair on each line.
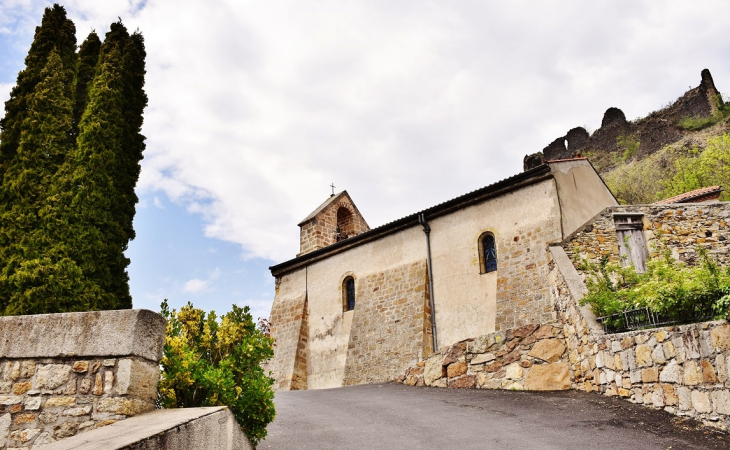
681,228
287,314
390,326
61,374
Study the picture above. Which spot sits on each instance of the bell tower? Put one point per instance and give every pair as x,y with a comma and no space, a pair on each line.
334,220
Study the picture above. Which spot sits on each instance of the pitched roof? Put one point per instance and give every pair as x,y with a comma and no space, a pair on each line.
321,207
705,193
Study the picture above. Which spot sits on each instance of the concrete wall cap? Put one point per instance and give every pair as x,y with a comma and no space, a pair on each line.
135,332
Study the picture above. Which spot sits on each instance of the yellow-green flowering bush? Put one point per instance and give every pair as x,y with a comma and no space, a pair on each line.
208,362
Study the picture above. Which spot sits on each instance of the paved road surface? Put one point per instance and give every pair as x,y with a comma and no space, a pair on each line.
394,416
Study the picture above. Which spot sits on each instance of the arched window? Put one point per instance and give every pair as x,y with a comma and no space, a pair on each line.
348,294
488,253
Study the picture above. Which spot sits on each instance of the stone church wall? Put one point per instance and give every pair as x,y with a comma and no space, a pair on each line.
390,326
287,314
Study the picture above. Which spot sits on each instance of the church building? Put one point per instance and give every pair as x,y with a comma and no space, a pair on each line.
360,305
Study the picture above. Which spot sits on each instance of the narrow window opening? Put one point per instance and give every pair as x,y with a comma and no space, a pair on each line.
488,253
349,294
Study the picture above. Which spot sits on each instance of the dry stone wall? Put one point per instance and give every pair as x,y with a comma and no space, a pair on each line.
391,324
532,357
679,228
62,374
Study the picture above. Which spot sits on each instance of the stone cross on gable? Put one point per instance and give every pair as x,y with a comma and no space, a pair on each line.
333,188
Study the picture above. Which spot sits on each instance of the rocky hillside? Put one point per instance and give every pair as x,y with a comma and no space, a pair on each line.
647,159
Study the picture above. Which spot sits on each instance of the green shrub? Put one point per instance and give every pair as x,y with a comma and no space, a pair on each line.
628,144
674,290
212,363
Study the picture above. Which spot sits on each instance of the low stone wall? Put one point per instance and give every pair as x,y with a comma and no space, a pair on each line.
684,370
61,374
207,428
531,357
681,369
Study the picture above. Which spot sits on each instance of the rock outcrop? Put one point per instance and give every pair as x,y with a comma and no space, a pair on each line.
651,133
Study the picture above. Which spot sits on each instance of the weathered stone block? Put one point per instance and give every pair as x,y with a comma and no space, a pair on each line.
32,403
721,401
433,370
721,338
456,369
685,399
465,382
60,401
5,422
649,375
692,374
514,371
548,377
643,356
657,355
51,376
701,402
79,411
123,406
483,358
549,350
670,373
545,332
708,372
10,399
81,366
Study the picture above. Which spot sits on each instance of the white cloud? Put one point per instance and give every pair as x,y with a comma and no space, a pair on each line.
256,107
198,286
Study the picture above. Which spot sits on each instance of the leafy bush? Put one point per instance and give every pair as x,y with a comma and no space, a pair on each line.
677,292
628,144
701,168
212,363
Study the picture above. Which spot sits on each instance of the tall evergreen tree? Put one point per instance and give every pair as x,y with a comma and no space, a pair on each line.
69,162
28,282
55,32
88,57
81,211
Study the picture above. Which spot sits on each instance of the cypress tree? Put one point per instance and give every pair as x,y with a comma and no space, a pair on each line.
55,32
29,281
81,211
88,57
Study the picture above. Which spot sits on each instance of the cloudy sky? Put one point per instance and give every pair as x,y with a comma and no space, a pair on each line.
255,108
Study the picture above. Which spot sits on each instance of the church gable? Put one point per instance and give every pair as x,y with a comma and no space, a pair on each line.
334,220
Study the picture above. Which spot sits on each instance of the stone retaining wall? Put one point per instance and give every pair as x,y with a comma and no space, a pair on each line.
61,374
684,370
531,357
681,369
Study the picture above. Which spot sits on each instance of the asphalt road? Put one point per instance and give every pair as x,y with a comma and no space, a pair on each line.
394,416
